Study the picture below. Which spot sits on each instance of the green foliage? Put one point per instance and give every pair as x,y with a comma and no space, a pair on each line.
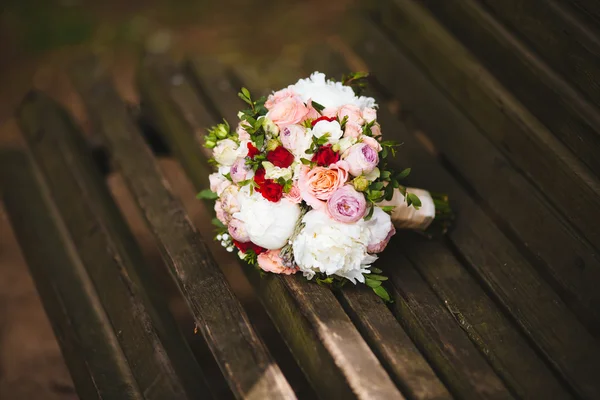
356,80
207,194
317,106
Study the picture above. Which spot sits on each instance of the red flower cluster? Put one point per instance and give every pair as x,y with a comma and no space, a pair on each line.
325,156
322,119
269,189
252,150
245,246
280,157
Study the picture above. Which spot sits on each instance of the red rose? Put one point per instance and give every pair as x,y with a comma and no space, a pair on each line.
271,190
245,246
322,119
280,157
259,176
325,156
252,151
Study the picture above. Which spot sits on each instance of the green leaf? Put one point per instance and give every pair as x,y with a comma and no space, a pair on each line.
388,209
372,283
376,270
376,186
228,176
327,281
246,93
414,200
381,292
385,175
370,214
207,194
317,106
218,223
377,277
403,174
241,96
305,161
384,152
389,192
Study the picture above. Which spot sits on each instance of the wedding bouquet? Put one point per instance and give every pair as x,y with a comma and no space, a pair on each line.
303,185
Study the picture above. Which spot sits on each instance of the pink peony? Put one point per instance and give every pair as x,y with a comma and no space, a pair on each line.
294,194
270,261
376,130
318,184
229,200
352,112
286,108
347,205
330,112
240,171
361,159
369,114
218,183
242,133
380,246
221,215
380,229
374,143
237,230
352,130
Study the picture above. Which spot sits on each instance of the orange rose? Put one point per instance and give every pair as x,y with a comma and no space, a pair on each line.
318,184
270,261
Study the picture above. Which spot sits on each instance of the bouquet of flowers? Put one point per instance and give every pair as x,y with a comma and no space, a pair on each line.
303,185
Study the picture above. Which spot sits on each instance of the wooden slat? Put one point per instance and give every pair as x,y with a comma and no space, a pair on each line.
241,355
330,351
589,8
90,347
492,334
535,151
555,32
574,120
159,356
573,265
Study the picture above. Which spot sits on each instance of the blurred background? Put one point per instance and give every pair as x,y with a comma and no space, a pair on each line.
39,39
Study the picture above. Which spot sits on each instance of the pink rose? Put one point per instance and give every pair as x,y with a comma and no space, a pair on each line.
270,261
318,184
221,215
312,112
376,130
237,230
352,112
294,194
361,158
286,108
369,114
347,205
352,130
296,138
330,112
240,171
241,131
218,183
374,143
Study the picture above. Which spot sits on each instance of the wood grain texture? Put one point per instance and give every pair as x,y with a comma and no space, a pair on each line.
573,265
504,348
568,115
569,45
138,312
241,355
571,187
320,335
88,343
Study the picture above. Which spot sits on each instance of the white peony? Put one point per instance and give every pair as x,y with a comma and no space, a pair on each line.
380,230
227,151
331,247
332,128
268,224
273,172
328,93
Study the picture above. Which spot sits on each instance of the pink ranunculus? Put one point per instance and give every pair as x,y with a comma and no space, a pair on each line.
240,171
376,130
241,131
296,139
374,143
361,159
330,112
352,130
237,230
221,215
270,261
352,112
312,112
294,194
318,184
286,109
369,114
347,205
218,183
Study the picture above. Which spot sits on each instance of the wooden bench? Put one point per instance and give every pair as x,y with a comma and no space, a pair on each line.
505,306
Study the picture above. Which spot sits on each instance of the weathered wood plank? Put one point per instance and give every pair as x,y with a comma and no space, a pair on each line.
241,355
328,348
571,187
511,357
159,356
570,46
573,265
97,365
589,8
574,120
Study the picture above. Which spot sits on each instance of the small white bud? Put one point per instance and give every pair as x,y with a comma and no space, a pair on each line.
219,237
225,236
230,249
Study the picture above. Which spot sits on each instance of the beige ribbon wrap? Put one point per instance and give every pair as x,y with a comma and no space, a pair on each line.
405,217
